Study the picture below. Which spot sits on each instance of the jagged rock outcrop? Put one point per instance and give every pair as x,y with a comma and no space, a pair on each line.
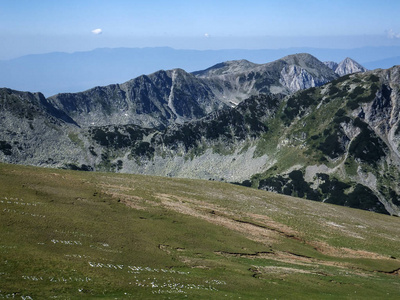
296,78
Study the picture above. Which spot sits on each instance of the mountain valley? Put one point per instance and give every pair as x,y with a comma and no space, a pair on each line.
295,126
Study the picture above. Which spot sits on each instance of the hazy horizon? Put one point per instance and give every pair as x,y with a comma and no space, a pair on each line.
29,27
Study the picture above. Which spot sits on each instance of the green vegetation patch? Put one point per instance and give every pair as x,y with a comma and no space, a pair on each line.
363,95
297,104
367,146
361,197
329,190
293,185
334,143
72,240
5,148
74,137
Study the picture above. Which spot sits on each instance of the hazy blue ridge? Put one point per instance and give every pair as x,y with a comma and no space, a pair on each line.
383,63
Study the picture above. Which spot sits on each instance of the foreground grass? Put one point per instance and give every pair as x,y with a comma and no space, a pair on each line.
66,234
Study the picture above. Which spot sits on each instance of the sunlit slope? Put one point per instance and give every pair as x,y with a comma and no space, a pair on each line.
76,234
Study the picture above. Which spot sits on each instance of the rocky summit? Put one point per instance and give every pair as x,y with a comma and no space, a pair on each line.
349,66
295,126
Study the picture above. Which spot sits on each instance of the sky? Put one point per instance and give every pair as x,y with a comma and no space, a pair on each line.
42,26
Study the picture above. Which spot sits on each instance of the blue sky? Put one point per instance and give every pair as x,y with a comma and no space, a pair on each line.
40,26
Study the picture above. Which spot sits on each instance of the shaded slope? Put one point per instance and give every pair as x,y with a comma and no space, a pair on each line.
151,101
34,131
28,105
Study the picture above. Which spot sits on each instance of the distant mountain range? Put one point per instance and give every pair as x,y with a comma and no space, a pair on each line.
175,96
291,126
55,73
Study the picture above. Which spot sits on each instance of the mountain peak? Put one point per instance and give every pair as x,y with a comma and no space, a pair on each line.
302,59
309,64
349,66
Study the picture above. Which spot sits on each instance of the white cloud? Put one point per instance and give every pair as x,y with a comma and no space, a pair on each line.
206,35
97,31
392,34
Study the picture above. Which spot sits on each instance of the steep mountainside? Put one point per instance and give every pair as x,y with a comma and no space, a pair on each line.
33,131
151,101
25,105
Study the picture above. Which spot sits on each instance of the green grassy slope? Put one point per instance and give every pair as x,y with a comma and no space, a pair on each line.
67,235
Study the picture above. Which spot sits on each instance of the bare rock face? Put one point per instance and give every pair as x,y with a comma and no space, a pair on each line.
304,71
296,78
383,113
349,66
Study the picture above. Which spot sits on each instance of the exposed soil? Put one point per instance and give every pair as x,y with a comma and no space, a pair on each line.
256,227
